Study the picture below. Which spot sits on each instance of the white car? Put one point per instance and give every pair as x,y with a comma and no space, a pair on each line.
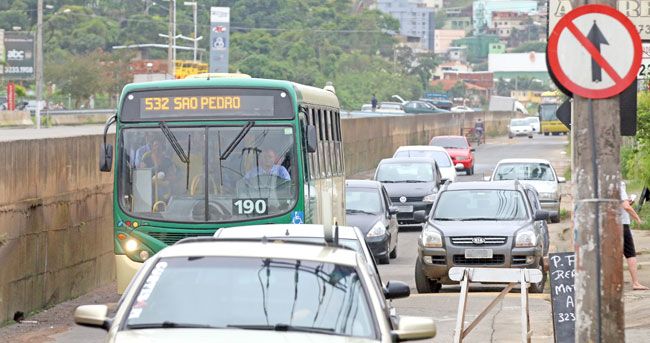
519,127
534,123
206,289
440,154
538,173
461,109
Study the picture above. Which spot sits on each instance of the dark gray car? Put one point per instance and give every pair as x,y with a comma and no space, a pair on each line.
411,183
481,224
368,207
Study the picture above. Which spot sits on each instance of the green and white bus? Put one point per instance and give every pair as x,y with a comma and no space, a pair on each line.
263,151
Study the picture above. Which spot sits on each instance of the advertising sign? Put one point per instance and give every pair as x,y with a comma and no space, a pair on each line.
219,39
19,56
638,11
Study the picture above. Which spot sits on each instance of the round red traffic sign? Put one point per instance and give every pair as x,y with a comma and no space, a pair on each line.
595,51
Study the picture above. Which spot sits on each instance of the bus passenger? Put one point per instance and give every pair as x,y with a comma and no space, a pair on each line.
163,169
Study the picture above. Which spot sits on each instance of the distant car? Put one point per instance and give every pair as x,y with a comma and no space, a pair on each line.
422,107
519,127
445,164
534,123
368,207
366,108
481,224
390,107
460,151
411,183
441,103
233,290
538,173
461,109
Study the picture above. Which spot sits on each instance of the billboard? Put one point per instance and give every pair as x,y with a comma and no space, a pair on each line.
219,39
18,56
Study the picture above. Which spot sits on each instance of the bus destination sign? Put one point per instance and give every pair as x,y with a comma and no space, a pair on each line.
204,103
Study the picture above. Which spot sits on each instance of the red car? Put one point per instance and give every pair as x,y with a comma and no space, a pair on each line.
460,151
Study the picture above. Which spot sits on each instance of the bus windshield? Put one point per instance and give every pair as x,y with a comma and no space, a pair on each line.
251,172
547,111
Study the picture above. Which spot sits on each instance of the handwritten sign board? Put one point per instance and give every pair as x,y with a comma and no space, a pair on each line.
562,272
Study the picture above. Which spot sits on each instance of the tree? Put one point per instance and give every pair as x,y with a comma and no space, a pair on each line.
77,76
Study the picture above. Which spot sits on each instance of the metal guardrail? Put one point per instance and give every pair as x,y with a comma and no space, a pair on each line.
78,112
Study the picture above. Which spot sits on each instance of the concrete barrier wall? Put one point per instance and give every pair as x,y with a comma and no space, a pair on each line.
368,140
56,241
56,237
15,118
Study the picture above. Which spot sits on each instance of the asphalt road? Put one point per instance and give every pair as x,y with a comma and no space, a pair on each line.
442,307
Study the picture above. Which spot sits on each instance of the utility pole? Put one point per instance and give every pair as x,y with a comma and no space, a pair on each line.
170,42
39,61
194,9
599,272
173,14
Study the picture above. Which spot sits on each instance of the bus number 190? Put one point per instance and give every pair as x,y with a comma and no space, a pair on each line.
250,206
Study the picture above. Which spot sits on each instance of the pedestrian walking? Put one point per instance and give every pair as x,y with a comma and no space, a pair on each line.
628,241
373,102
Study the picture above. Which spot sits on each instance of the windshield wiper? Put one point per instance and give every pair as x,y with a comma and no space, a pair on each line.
285,327
388,181
414,181
168,324
477,219
184,157
242,133
446,219
349,210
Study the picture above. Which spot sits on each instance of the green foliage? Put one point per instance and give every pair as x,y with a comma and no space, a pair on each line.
635,162
536,46
306,41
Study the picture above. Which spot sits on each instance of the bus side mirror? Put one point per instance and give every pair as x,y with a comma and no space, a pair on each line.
105,157
311,138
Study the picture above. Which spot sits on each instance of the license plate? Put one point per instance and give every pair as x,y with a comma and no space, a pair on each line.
405,209
478,253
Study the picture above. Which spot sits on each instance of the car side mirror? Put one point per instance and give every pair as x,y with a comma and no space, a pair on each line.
92,315
472,149
561,179
396,290
459,166
443,181
105,157
312,141
413,328
542,215
419,216
392,210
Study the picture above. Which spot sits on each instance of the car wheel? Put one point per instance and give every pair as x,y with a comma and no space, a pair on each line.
539,287
531,136
422,283
385,259
555,219
510,136
545,133
393,254
469,171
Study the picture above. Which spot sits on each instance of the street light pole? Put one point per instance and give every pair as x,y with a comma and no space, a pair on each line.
39,61
194,8
170,57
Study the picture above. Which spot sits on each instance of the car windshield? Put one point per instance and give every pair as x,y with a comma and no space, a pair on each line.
253,293
524,171
483,204
441,157
450,142
547,111
519,122
405,172
166,172
362,200
532,120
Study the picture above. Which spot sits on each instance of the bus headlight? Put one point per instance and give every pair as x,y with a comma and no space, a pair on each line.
131,245
144,255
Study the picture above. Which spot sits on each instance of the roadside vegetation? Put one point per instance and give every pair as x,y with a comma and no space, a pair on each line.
635,156
307,41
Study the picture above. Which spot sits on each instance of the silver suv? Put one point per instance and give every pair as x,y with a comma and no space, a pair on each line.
481,224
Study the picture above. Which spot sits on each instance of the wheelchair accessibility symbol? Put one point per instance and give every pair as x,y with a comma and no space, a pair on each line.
297,217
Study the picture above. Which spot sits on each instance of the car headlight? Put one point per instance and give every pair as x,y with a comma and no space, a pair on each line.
526,238
431,238
429,198
377,230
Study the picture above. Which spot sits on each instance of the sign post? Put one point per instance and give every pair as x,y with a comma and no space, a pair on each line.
219,39
595,53
11,96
